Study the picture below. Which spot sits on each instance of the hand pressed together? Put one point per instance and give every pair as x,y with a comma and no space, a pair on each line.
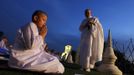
43,31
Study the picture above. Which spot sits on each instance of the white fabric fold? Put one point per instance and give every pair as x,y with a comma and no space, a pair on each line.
28,52
91,43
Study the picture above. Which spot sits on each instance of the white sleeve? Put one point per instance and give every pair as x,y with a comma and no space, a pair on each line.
94,31
37,42
1,43
99,28
27,36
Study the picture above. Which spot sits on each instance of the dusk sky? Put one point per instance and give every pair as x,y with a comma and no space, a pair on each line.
65,16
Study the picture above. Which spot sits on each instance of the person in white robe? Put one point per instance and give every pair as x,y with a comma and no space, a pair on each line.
28,50
3,46
92,41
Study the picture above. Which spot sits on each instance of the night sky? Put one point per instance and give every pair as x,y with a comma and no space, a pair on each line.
65,16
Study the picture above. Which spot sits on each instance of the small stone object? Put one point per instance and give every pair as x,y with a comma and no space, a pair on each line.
69,59
108,62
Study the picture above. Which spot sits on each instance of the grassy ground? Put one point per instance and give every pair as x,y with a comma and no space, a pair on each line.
74,69
70,69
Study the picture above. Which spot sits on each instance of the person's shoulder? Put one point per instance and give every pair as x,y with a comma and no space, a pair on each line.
29,24
95,17
26,26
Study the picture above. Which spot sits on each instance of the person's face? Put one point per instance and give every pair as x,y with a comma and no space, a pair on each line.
5,40
88,13
41,20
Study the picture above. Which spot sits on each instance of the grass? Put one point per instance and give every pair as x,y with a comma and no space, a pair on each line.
70,69
73,69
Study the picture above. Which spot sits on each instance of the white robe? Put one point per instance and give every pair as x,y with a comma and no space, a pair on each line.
91,44
3,48
3,45
28,52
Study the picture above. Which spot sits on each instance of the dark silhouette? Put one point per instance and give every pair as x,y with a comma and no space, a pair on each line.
1,34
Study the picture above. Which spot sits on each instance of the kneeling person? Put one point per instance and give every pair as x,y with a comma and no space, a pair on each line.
28,50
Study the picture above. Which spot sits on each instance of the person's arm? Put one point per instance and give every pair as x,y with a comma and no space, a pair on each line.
94,31
82,26
38,39
93,26
27,36
99,26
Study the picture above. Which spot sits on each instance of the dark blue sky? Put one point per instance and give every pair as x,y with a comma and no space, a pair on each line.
65,16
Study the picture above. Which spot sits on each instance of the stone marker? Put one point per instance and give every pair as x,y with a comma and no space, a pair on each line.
108,62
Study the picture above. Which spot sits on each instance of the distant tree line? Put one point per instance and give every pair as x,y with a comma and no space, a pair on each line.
125,64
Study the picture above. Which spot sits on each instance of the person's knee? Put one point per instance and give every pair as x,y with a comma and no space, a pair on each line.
61,68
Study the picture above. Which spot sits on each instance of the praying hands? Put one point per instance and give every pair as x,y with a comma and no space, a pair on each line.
43,31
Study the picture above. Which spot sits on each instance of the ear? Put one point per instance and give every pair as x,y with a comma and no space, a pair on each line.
35,18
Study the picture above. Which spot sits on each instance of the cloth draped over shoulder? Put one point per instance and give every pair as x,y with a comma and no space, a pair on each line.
92,41
28,52
3,48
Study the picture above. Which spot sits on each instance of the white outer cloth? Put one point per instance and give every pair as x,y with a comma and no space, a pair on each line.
3,45
91,44
28,52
